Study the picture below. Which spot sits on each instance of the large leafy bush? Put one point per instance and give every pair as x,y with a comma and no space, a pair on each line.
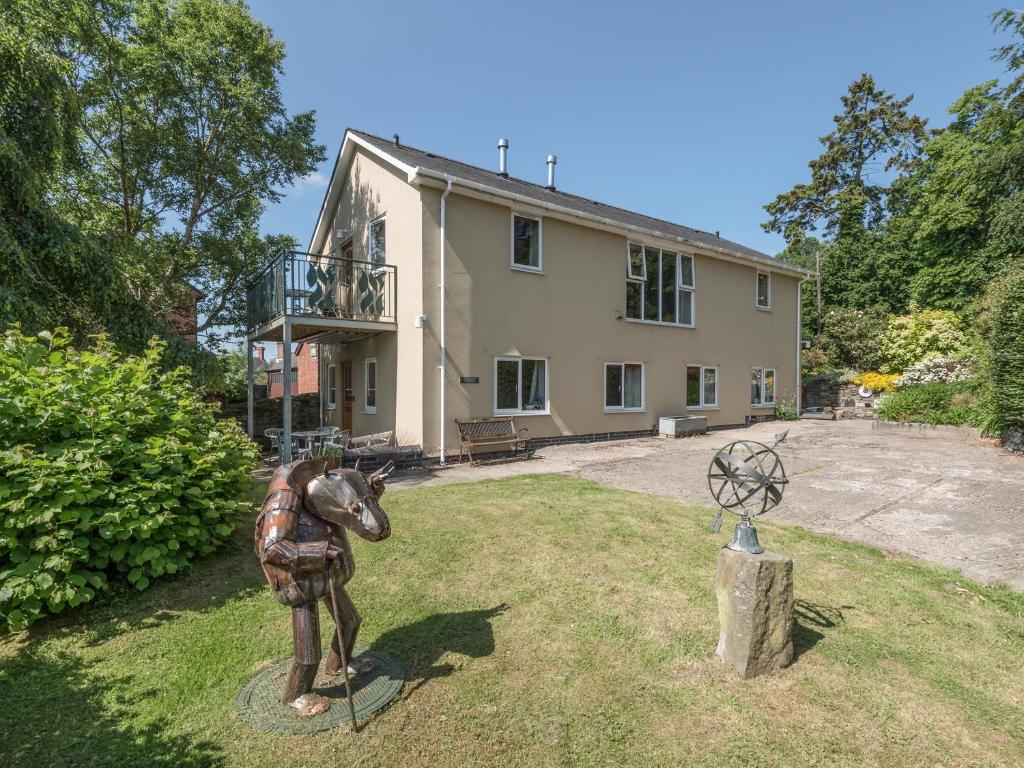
850,337
110,469
1002,330
936,369
923,333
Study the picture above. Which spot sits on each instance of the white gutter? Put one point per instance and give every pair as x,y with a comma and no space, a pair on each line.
799,345
441,295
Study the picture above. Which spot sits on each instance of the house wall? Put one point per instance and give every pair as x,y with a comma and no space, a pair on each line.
304,368
372,189
573,315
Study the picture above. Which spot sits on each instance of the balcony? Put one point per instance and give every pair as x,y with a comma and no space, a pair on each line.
321,298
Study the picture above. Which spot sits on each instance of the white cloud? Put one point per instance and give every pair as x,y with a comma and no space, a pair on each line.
315,180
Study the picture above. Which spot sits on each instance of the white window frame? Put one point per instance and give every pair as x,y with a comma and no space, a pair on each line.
643,387
539,269
520,412
314,350
703,406
691,288
331,402
367,408
757,293
369,239
775,387
641,278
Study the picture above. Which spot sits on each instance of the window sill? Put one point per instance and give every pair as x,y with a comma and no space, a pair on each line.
369,411
658,322
531,270
762,405
330,407
702,407
625,410
521,413
763,309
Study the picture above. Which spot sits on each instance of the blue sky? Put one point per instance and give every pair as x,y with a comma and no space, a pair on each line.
699,113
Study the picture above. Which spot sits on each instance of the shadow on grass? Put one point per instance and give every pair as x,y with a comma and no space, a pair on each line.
54,712
810,617
420,645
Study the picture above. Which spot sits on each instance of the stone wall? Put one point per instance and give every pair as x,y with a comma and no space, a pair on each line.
853,406
820,393
269,413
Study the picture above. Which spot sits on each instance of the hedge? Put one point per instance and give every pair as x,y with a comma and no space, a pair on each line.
1004,349
111,470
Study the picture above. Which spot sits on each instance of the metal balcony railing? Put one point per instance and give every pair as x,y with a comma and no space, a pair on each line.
301,285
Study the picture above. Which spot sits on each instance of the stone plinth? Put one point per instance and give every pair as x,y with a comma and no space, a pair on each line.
755,611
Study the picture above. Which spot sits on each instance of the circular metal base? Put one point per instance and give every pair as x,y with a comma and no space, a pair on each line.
259,702
744,539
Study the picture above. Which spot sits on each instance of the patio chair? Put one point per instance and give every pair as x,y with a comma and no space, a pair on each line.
274,435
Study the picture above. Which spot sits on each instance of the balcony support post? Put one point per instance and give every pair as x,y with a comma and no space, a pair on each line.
249,384
286,375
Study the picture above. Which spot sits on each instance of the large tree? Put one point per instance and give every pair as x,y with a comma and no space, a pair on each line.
184,140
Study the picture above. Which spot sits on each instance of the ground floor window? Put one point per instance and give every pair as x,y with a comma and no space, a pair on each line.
762,386
520,385
332,386
701,386
623,386
370,385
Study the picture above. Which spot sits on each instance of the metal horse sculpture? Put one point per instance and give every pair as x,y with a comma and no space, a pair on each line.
302,545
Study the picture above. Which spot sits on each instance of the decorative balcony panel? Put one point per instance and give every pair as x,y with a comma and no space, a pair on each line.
303,286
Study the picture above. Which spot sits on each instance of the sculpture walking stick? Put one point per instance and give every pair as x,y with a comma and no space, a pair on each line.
343,653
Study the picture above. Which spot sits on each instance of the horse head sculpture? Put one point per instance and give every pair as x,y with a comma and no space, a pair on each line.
348,498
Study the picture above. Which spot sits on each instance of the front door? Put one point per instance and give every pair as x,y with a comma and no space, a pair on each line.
347,395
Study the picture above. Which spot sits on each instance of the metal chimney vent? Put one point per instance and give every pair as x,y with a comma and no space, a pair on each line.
551,171
503,157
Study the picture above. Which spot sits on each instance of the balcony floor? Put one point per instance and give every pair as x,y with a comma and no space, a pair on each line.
324,330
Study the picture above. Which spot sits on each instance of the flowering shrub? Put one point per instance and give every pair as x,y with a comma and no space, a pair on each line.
923,333
110,469
878,382
937,369
785,410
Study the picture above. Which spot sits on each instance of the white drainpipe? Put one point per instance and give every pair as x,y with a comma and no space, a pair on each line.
799,345
441,291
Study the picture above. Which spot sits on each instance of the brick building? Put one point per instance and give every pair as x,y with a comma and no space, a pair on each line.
305,371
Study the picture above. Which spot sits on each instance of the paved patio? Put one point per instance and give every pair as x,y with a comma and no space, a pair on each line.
951,500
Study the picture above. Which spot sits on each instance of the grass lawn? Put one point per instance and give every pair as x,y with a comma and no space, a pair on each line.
543,621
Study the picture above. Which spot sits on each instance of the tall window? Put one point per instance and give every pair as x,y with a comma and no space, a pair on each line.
764,290
623,386
762,386
526,247
520,385
332,386
370,385
701,386
659,285
377,241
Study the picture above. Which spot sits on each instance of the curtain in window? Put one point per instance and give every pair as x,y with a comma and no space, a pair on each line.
632,385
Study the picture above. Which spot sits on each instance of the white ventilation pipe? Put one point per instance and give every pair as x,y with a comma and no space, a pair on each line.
441,296
503,157
551,171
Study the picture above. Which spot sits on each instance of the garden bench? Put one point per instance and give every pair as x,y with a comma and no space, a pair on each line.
500,430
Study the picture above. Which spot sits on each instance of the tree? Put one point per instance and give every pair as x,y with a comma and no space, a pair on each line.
874,137
184,139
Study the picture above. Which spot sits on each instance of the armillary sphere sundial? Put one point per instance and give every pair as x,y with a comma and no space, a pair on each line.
746,478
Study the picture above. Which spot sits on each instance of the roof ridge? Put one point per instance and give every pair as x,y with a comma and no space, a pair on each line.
542,187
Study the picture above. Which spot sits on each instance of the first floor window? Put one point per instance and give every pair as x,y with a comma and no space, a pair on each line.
659,285
370,385
623,386
376,249
525,242
701,386
520,385
332,386
764,290
762,386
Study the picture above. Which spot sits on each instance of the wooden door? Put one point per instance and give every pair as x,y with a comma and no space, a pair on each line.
347,395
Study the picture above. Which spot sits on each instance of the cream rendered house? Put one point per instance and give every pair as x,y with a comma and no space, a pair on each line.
577,318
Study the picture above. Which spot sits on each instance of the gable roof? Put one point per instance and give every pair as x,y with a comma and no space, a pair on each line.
417,163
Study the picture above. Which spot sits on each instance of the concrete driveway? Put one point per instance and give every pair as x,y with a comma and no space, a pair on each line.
948,499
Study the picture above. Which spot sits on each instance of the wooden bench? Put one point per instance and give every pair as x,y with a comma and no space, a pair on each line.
500,430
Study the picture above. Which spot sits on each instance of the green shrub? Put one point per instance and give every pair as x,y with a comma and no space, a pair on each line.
785,410
850,337
1002,330
923,333
110,469
935,403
